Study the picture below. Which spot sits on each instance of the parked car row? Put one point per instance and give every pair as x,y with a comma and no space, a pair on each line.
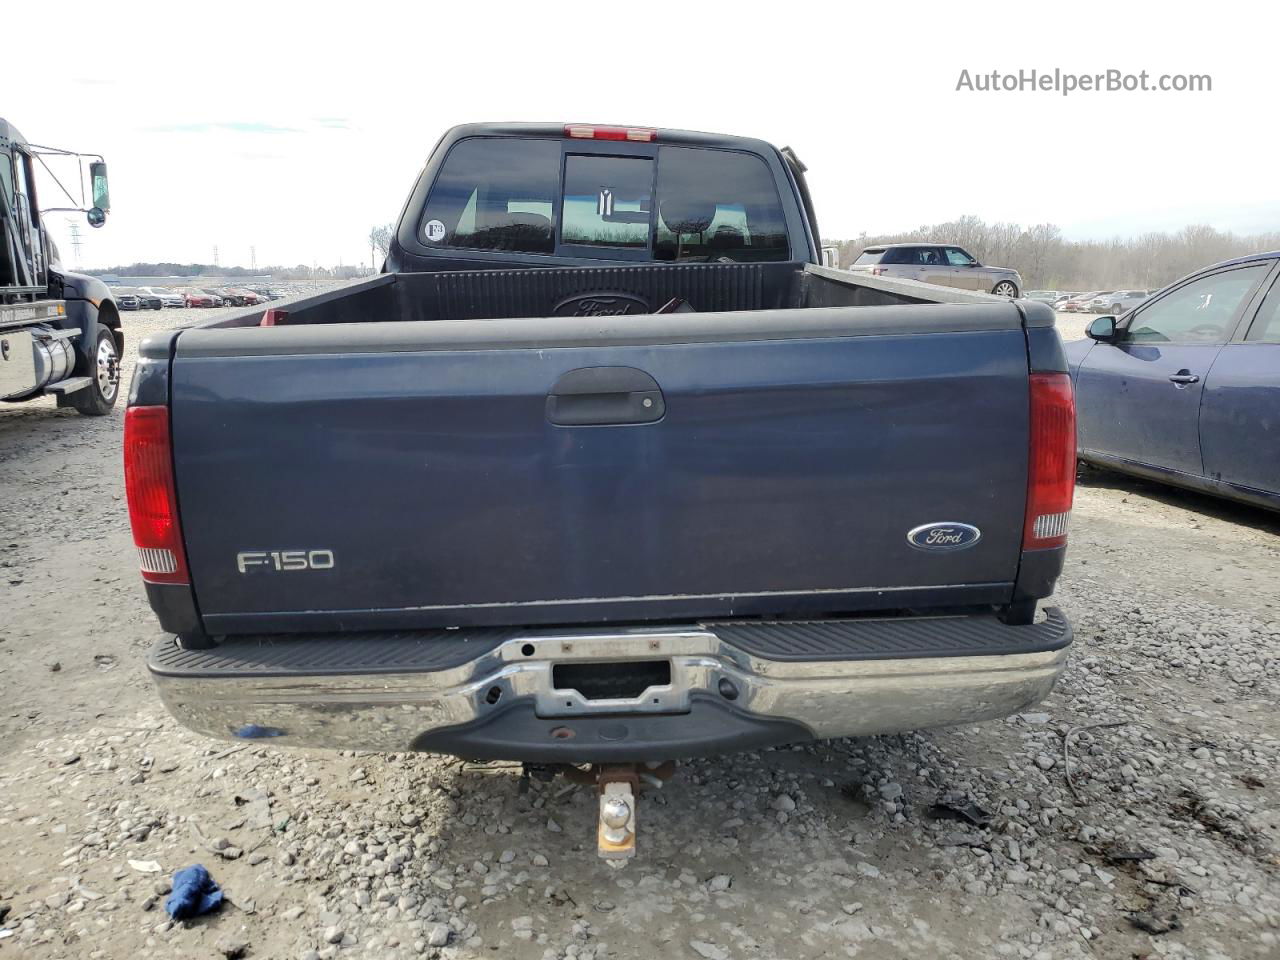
153,298
128,298
168,298
224,297
1101,301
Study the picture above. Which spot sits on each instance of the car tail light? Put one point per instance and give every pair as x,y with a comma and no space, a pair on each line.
153,501
1051,468
589,131
877,271
272,316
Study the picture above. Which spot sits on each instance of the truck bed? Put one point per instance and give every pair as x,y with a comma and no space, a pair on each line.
597,291
453,469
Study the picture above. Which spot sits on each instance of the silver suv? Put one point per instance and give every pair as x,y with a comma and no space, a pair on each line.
941,263
1117,302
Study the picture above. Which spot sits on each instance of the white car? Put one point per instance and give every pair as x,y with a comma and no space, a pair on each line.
169,298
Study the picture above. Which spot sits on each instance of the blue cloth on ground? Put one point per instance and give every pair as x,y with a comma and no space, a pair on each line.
194,893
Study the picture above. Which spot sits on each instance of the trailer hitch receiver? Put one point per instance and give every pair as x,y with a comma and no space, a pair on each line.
616,837
618,785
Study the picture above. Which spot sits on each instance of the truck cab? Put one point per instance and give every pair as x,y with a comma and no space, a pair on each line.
59,331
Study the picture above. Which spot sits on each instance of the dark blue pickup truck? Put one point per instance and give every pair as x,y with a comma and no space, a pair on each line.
604,468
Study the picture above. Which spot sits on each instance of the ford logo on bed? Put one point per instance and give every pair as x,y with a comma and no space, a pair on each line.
942,537
600,305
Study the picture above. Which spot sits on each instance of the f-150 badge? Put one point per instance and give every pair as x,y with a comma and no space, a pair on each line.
284,560
943,536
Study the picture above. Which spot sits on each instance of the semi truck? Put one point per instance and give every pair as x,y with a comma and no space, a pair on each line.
59,331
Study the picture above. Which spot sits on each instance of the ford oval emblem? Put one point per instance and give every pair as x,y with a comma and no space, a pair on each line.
600,305
942,537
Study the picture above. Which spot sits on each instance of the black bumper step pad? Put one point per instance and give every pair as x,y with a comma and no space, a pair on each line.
892,638
329,654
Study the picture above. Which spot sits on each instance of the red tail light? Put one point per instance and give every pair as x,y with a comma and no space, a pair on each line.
272,317
1051,473
877,271
589,131
153,501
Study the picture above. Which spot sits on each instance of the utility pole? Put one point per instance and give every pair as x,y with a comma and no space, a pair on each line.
253,259
215,255
74,227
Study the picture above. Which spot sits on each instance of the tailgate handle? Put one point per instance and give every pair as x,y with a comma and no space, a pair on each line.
605,396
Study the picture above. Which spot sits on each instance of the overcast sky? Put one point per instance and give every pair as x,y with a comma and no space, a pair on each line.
294,131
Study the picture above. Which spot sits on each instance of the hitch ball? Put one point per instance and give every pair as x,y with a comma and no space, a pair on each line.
616,814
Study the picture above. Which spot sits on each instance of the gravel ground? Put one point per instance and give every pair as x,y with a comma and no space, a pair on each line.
1166,847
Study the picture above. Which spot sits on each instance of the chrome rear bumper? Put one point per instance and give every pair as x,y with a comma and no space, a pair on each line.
494,694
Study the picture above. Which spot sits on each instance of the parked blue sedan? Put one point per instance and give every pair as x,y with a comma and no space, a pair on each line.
1185,387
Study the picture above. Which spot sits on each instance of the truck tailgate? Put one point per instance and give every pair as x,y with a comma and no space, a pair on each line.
423,474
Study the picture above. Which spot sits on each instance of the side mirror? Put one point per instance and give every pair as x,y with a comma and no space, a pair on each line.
1103,329
98,179
96,217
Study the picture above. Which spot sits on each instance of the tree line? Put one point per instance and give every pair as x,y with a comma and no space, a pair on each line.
1048,261
1040,253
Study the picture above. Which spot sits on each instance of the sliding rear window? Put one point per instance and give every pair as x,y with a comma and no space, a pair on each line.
520,195
607,200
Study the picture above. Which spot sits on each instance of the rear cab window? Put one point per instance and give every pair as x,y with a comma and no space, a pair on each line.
495,194
607,201
674,204
869,256
717,204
